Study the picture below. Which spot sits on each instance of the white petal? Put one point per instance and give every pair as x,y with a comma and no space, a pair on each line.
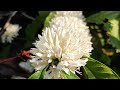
39,54
67,70
54,66
50,60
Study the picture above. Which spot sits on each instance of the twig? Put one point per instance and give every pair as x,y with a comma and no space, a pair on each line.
27,16
13,14
8,59
2,31
5,14
23,53
7,23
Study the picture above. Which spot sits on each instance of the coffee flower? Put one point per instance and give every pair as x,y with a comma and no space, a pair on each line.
62,46
78,14
10,33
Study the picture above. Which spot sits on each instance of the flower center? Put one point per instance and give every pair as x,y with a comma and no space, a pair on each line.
55,62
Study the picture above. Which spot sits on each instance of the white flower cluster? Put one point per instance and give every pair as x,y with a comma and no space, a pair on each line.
78,14
62,45
10,33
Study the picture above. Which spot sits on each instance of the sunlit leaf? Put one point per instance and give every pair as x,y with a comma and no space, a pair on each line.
97,70
71,76
87,73
36,75
39,74
48,18
115,28
114,34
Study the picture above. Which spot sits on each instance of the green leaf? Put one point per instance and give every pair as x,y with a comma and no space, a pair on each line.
48,18
97,52
36,75
99,18
114,41
39,74
97,70
33,28
31,31
43,72
107,26
114,33
71,76
115,28
112,26
100,56
43,15
87,73
5,51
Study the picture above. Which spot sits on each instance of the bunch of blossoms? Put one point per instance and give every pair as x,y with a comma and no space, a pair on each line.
62,45
78,14
10,33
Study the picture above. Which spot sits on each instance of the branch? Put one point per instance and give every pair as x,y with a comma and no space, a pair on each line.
5,13
13,14
7,23
27,16
8,59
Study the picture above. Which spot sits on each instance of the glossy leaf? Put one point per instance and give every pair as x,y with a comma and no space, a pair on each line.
36,75
97,70
39,74
71,76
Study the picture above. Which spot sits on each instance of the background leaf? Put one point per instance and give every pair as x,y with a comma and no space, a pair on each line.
5,51
114,33
99,18
115,42
35,27
43,15
31,31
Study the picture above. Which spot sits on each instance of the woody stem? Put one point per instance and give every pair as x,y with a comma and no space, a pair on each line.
8,59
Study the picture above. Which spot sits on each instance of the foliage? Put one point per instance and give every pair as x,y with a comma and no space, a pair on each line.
97,70
105,30
34,28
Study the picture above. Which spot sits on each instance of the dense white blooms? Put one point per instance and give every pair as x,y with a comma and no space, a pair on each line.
78,14
10,33
62,45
